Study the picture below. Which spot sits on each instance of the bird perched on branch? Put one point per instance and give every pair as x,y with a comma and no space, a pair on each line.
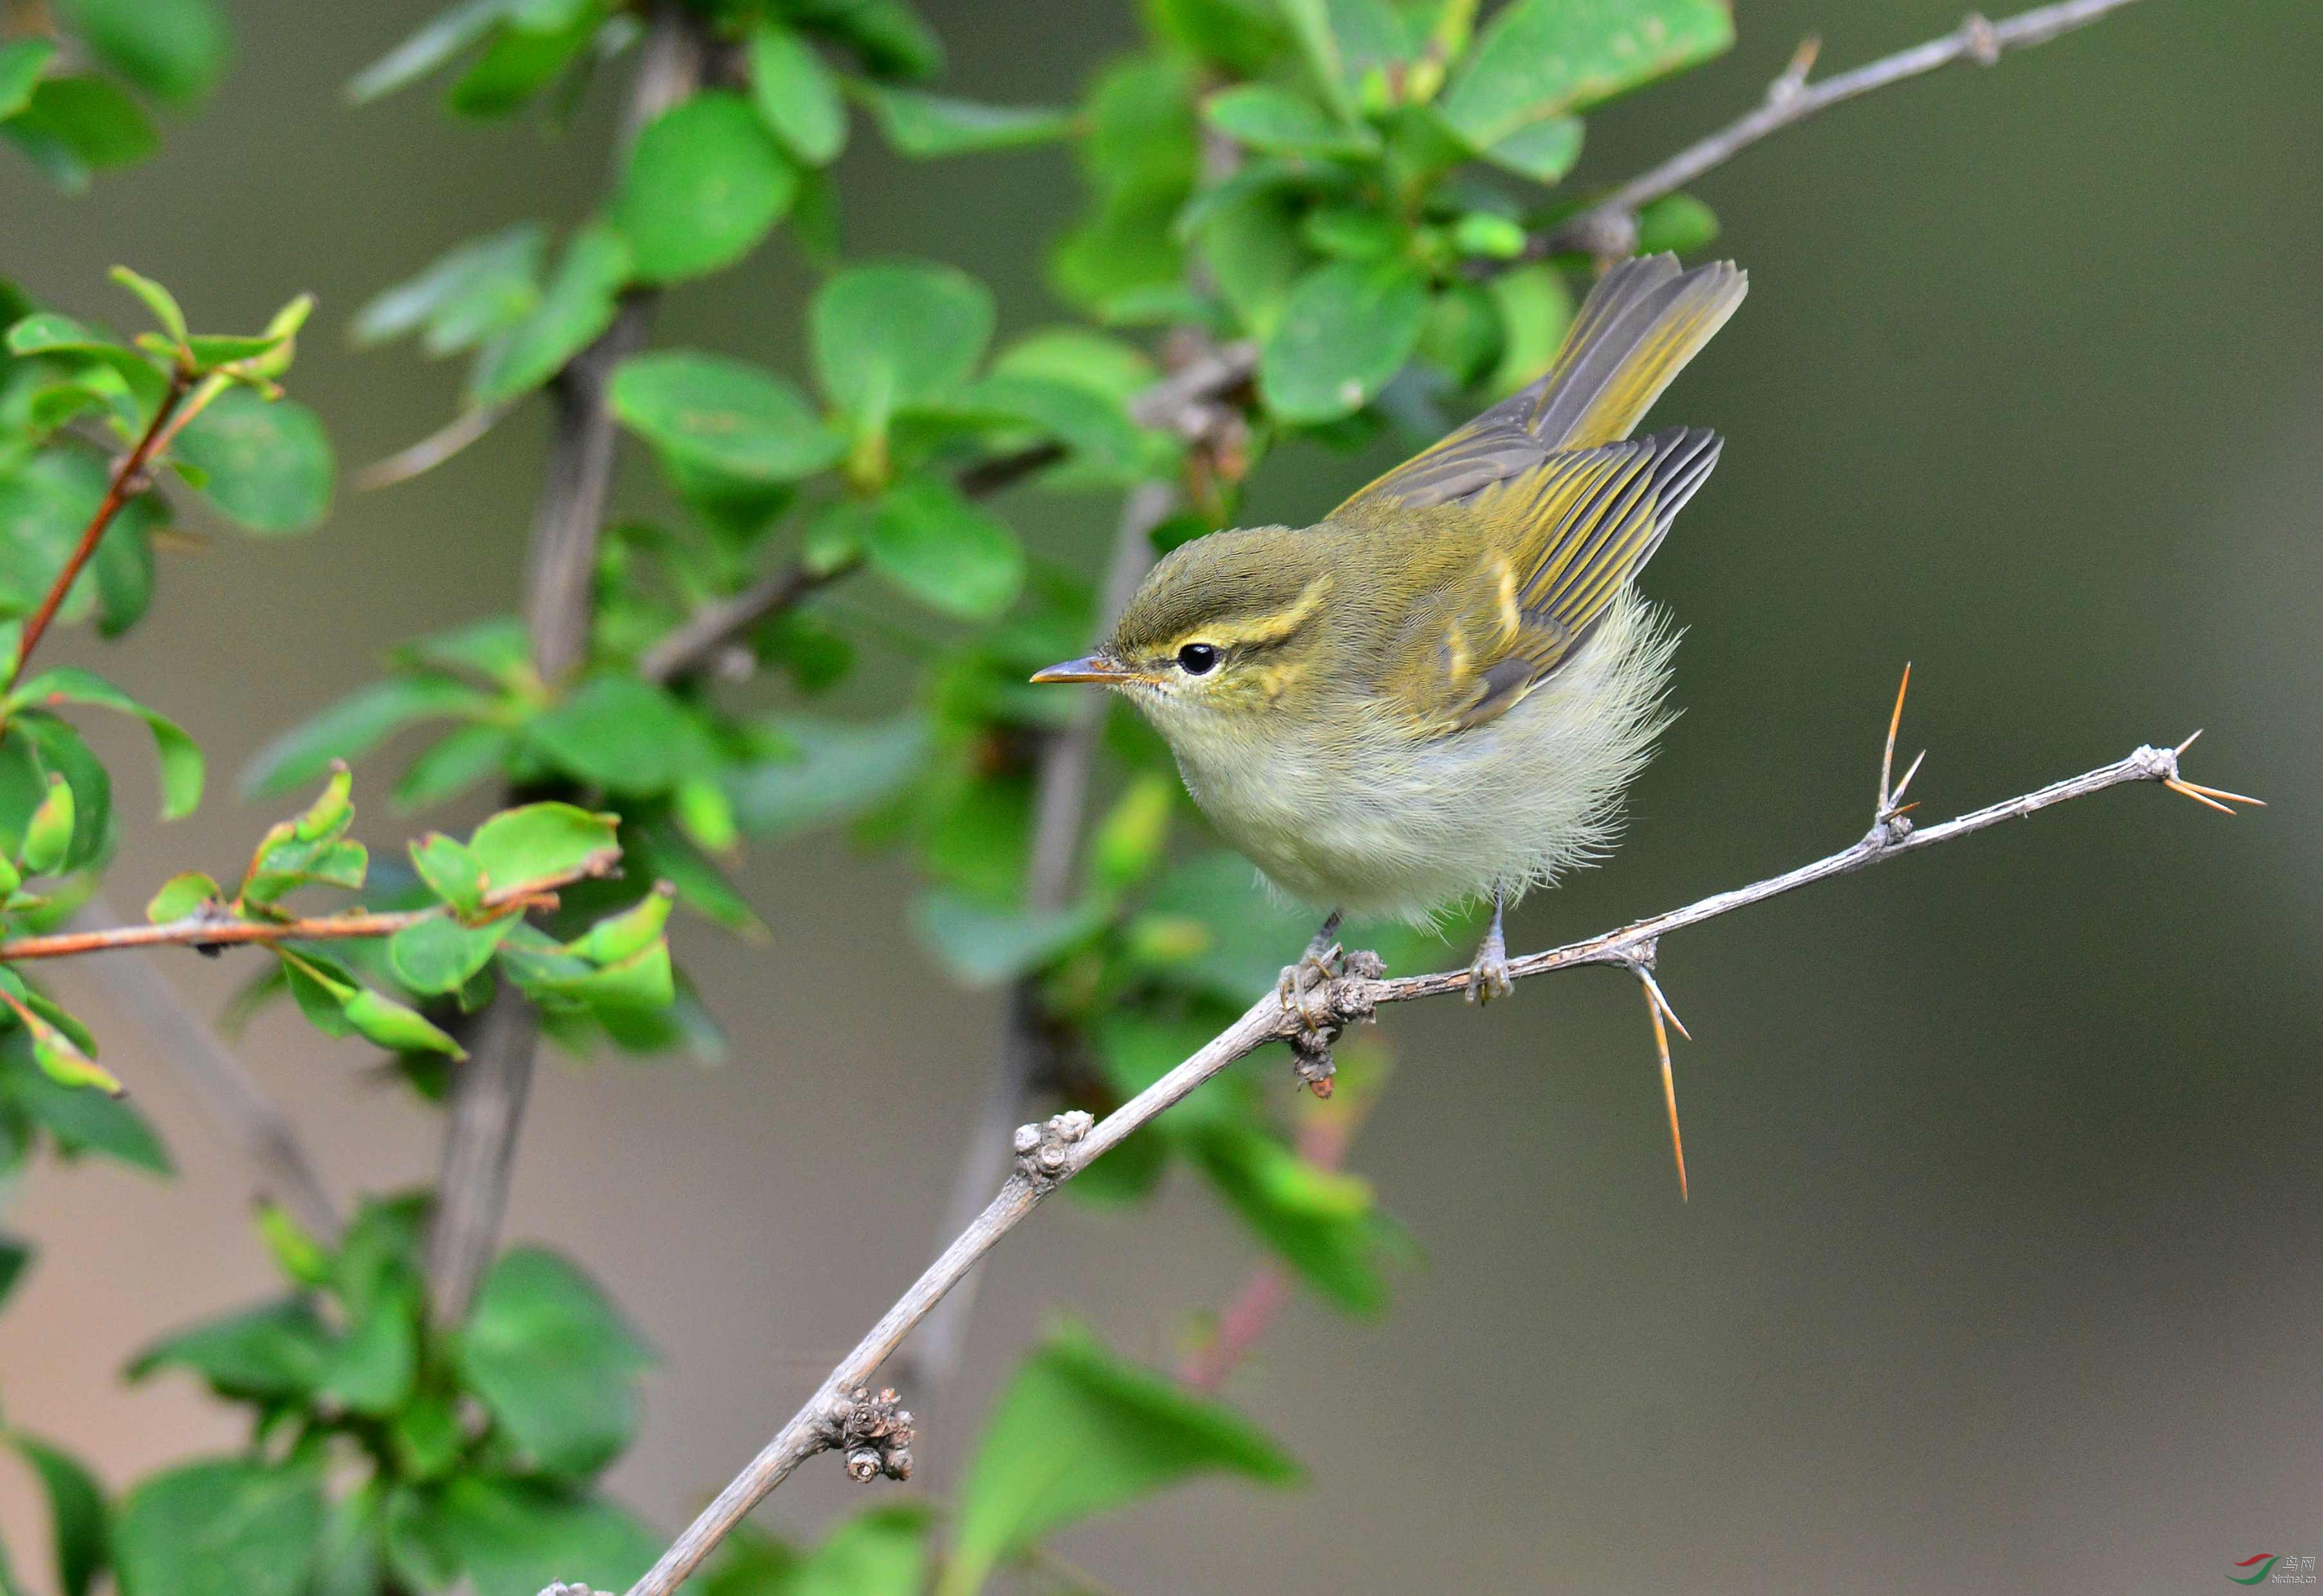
1437,692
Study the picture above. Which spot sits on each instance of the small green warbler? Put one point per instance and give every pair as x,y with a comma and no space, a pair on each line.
1437,694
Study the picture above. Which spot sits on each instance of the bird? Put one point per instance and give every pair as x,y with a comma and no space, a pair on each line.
1436,696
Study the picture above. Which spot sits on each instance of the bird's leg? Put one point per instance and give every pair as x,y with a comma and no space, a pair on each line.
1488,977
1316,968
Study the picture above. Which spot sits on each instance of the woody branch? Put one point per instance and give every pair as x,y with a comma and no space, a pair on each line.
1048,1155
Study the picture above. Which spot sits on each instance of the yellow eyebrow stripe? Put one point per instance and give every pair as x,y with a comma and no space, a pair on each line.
1261,630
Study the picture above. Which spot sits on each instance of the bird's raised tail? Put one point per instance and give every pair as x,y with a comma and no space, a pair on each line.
1640,325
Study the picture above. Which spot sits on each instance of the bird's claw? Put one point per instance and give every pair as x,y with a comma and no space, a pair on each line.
1488,976
1304,987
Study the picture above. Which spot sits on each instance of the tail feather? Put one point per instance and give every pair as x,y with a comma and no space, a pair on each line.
1641,324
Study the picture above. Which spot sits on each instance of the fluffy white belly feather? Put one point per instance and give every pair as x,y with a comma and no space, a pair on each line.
1386,827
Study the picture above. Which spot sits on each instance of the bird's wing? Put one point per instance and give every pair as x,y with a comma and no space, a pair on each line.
1555,544
1640,325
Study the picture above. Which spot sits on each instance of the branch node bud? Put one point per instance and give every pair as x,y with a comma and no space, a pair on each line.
874,1432
1044,1152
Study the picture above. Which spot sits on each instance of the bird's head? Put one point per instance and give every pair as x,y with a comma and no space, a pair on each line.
1227,630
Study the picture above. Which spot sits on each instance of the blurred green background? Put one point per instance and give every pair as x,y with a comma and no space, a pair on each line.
2001,1264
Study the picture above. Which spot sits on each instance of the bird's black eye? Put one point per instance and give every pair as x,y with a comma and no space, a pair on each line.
1197,660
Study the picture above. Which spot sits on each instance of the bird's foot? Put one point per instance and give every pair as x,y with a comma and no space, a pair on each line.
1488,974
1304,987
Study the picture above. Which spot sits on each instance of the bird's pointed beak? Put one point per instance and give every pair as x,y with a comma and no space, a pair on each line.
1088,668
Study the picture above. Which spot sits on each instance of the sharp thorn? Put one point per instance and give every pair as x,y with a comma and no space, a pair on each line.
2189,743
1660,1000
1908,774
1895,724
2222,793
1670,1090
2188,789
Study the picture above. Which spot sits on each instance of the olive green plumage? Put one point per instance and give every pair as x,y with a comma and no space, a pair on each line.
1438,691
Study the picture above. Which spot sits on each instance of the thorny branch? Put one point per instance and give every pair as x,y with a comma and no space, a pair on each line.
1609,226
1050,1154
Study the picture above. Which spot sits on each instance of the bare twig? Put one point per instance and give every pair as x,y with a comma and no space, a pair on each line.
128,479
489,1092
227,1091
432,450
1049,1155
1059,800
698,640
1610,227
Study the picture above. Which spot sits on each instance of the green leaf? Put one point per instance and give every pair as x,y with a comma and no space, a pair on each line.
513,1538
1276,122
440,954
1678,224
269,463
15,1258
705,184
888,34
928,126
180,895
1077,1432
1322,1221
459,761
1099,432
621,733
180,758
943,551
272,1354
470,293
371,1368
354,726
1128,845
157,299
885,335
554,1360
49,834
540,843
985,947
230,1528
174,49
76,1513
436,42
576,309
795,93
22,61
1535,309
92,119
724,415
47,333
1346,328
880,1551
521,60
450,871
828,772
1543,151
84,1122
658,852
60,749
1544,58
396,1027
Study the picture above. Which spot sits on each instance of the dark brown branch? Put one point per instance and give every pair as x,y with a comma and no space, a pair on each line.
1049,1155
1059,801
700,639
1608,227
489,1091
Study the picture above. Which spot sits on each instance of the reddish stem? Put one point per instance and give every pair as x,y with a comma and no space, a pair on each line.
128,482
